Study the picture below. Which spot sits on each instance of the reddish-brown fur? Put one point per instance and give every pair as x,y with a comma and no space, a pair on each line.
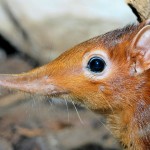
122,96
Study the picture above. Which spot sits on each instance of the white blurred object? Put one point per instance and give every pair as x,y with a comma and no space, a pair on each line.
48,27
106,9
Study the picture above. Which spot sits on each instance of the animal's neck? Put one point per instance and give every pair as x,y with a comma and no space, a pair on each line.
120,124
132,126
142,118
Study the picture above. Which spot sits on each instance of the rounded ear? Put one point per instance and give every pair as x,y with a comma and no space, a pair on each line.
140,50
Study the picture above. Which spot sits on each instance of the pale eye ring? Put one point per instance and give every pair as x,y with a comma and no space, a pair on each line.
96,64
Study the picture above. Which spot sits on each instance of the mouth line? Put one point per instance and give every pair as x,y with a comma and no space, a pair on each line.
53,94
58,94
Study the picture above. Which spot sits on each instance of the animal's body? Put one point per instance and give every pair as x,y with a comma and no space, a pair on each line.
109,74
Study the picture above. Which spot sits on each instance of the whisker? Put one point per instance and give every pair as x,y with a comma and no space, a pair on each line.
50,102
101,123
109,106
127,102
67,109
77,112
105,126
34,102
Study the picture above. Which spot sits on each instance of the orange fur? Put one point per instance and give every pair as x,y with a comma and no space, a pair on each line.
122,96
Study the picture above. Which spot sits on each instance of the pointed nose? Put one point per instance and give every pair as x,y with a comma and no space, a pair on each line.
37,81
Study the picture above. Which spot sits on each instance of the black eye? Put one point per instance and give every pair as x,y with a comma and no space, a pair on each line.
96,64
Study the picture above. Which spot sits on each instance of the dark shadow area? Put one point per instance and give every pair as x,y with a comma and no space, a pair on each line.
135,12
26,144
7,46
92,147
11,50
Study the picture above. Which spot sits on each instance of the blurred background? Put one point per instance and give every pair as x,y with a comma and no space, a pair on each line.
33,33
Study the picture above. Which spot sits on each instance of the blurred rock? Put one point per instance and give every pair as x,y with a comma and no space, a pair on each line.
5,145
46,28
14,65
3,55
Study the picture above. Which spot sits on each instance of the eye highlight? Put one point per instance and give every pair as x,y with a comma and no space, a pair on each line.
96,64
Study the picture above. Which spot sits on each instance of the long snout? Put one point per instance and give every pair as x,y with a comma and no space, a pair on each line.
37,81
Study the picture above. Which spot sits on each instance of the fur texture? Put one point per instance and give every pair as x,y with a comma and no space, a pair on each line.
122,95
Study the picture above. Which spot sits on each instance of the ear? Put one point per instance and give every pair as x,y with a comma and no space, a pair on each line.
140,50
